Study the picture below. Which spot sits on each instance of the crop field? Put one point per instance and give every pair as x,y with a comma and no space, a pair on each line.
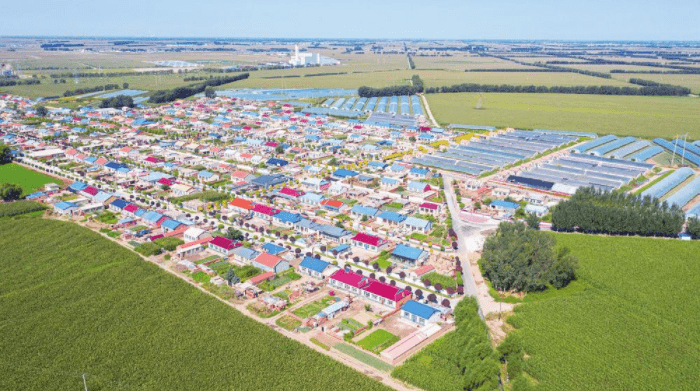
314,308
690,81
460,62
378,341
644,116
29,180
634,327
82,304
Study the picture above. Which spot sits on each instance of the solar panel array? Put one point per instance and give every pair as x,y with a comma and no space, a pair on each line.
685,193
660,188
576,170
628,149
480,156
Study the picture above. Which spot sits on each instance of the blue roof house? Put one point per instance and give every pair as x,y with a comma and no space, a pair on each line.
408,254
273,249
359,211
390,218
419,313
314,267
287,219
416,224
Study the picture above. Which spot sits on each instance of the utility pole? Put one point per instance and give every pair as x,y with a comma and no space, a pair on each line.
674,151
685,138
85,382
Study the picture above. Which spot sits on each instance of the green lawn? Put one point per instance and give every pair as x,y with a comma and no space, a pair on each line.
80,304
311,309
634,327
378,341
647,116
288,322
29,180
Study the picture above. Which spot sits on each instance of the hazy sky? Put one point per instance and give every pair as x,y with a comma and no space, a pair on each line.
436,19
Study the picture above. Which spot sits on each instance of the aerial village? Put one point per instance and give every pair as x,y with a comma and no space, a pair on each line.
325,228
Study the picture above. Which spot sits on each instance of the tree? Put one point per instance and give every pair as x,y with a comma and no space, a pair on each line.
231,277
522,259
5,154
10,192
41,111
125,85
279,149
412,139
532,221
233,234
209,92
694,227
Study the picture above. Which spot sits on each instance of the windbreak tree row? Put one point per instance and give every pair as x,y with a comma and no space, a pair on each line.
615,213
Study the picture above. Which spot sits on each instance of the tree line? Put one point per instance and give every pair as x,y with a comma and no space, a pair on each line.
164,96
415,88
615,213
87,90
18,82
108,74
410,61
661,90
117,102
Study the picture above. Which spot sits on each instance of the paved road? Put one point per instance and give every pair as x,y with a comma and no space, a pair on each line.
465,230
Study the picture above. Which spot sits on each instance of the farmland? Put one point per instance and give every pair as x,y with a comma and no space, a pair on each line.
643,116
81,304
690,81
29,180
634,327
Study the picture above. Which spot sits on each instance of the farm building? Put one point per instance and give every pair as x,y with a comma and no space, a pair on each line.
419,313
270,263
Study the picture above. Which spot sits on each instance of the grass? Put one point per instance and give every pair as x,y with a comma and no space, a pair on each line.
311,309
107,217
634,326
435,278
82,304
288,322
201,276
643,116
29,180
320,344
363,357
378,341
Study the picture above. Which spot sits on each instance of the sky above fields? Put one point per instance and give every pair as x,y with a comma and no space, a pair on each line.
436,19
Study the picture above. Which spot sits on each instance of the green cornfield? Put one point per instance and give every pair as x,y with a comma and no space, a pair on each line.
635,327
73,303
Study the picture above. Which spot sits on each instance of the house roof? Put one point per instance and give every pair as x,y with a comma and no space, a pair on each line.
392,216
351,278
367,239
314,264
264,209
91,190
245,252
291,192
268,260
119,203
425,269
260,278
65,205
384,290
131,208
417,222
220,241
407,252
429,205
332,203
152,216
419,309
505,204
364,210
287,217
343,173
418,186
273,249
241,203
171,224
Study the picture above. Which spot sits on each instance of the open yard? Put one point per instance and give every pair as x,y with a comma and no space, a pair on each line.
635,326
314,308
644,116
80,304
378,341
29,180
